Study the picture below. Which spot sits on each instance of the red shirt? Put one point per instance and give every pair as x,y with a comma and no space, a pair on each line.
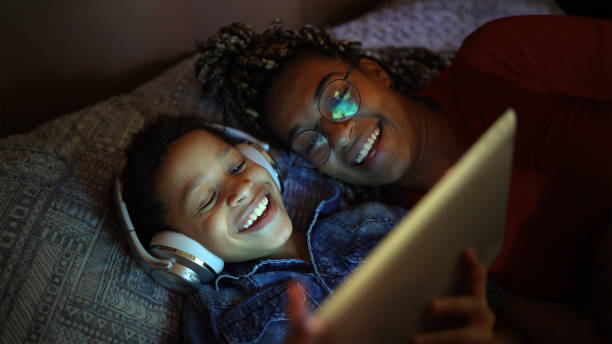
556,72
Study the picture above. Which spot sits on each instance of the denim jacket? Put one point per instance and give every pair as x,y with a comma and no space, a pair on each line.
247,302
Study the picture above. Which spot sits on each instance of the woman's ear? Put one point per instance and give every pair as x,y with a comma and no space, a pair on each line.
375,71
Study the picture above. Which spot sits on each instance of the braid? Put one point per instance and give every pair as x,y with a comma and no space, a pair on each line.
236,65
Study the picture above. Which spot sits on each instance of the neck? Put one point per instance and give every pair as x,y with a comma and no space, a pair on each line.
295,247
438,151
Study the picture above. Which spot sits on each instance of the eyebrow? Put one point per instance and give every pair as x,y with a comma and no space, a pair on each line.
317,94
195,183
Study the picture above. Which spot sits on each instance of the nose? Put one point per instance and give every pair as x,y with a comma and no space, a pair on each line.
338,134
239,190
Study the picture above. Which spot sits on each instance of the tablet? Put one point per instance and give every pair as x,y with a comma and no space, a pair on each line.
382,301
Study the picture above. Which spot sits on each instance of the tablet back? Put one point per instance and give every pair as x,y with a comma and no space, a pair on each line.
382,300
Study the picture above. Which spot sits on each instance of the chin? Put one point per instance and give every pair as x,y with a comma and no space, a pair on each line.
359,177
284,231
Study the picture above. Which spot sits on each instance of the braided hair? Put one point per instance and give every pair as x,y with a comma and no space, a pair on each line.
237,65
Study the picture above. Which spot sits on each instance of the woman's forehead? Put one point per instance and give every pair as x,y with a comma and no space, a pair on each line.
310,65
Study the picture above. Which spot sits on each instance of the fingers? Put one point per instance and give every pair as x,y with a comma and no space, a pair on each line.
462,335
474,309
455,305
476,274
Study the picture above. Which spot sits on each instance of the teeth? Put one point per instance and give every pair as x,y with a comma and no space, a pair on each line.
367,146
259,209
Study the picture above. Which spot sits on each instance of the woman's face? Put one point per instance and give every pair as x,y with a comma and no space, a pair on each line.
382,135
216,196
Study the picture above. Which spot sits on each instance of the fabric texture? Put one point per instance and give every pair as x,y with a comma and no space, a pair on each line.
247,303
560,200
436,24
65,272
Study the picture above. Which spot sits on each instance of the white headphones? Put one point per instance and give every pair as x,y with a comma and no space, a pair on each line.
174,260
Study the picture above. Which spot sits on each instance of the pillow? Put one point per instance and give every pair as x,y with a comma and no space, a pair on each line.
66,273
435,24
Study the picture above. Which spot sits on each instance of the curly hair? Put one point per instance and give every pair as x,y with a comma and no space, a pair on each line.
237,65
143,156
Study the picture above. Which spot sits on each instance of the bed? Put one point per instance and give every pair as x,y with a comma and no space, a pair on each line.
66,273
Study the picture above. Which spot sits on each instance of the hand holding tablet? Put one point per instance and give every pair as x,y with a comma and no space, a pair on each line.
383,300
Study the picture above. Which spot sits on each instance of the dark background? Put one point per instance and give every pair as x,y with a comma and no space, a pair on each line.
587,8
57,56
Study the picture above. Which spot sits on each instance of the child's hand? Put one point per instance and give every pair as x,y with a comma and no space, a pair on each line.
471,308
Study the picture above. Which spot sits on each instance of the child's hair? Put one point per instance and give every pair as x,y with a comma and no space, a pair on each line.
237,65
144,155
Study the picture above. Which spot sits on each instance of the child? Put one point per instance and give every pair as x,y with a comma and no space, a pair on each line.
181,176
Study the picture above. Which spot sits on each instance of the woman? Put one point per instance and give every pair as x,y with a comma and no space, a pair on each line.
181,176
344,114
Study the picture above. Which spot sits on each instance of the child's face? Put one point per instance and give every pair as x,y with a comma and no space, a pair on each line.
216,196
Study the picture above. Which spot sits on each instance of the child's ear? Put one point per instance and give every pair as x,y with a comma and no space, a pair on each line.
375,71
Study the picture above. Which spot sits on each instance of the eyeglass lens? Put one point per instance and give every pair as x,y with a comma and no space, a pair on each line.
339,101
313,146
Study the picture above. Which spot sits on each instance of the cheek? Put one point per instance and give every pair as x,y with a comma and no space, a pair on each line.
280,122
301,111
343,172
212,233
333,168
276,128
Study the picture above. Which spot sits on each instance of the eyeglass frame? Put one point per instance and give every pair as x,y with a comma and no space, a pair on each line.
324,135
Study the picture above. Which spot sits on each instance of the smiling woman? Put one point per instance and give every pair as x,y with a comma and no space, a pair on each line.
377,143
286,84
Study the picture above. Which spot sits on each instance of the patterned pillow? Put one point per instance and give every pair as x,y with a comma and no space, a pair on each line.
66,275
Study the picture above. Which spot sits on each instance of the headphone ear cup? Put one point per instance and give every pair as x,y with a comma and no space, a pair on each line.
193,264
183,269
260,156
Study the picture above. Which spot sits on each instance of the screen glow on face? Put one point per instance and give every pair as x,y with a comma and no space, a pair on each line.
345,105
339,101
311,145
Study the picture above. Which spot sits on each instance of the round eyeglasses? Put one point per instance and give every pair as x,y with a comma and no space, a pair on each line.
338,101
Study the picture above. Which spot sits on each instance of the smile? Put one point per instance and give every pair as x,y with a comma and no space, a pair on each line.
258,212
366,149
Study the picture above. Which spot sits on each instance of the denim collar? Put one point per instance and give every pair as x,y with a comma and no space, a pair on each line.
246,269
